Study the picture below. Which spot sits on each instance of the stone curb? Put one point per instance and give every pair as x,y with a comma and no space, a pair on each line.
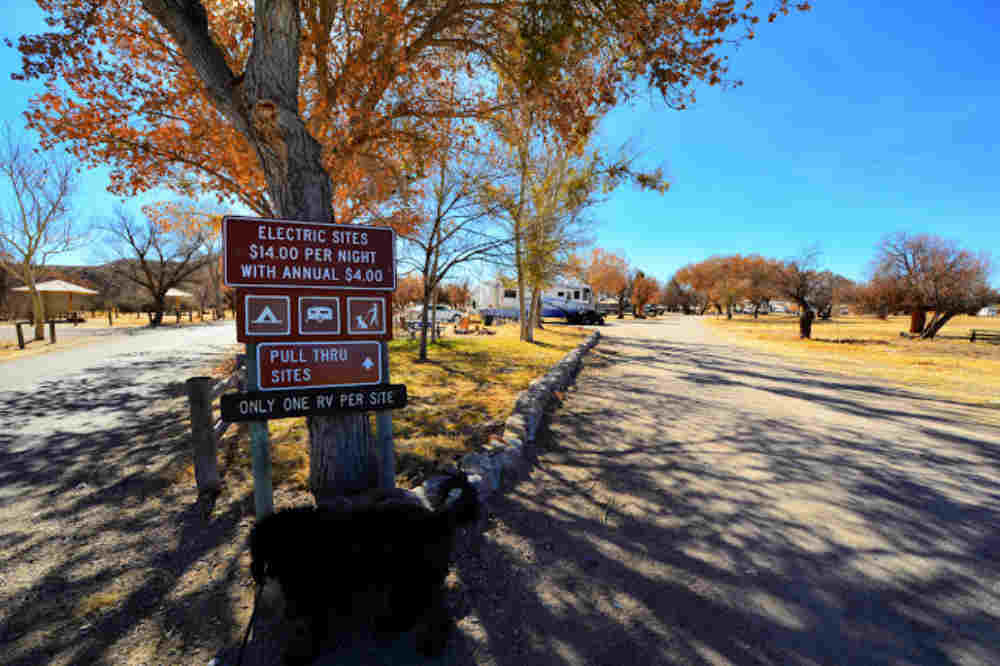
487,471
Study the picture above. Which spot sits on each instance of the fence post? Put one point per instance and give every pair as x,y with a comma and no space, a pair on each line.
20,335
52,332
206,470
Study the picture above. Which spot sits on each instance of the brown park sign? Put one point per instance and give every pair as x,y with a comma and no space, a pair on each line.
305,315
261,252
286,365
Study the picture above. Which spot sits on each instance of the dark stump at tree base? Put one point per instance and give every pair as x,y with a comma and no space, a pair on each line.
805,324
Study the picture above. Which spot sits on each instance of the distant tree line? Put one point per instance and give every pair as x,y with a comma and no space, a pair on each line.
915,274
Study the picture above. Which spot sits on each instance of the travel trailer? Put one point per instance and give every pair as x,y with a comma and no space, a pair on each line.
573,301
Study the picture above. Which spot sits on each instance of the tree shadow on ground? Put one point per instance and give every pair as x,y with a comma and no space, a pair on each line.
672,526
106,558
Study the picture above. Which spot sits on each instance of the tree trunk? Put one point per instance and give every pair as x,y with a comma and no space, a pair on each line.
264,107
527,330
536,307
434,320
918,319
621,307
432,281
937,323
422,356
805,323
729,311
38,310
756,309
526,335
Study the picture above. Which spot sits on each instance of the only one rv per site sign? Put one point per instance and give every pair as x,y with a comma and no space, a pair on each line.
261,252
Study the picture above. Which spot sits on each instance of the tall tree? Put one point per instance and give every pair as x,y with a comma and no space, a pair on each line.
37,221
728,281
199,221
262,103
929,273
800,280
759,275
564,187
700,280
676,297
608,273
645,288
450,223
154,258
192,94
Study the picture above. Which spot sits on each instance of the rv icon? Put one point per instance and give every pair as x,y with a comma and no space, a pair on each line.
319,313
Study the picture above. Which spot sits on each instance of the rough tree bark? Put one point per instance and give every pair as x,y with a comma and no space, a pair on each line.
918,319
937,323
805,322
37,308
262,105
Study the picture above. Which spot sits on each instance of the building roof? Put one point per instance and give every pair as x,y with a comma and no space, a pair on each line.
57,286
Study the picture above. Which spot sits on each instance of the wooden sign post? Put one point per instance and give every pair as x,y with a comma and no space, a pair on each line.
260,447
314,307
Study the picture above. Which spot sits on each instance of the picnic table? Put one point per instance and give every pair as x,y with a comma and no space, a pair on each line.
414,325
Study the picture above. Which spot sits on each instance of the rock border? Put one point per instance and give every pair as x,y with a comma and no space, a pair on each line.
488,471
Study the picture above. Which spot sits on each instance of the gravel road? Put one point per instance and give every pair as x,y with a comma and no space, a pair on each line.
69,394
692,503
92,535
697,503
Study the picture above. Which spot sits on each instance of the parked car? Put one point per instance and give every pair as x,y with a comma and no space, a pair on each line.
444,313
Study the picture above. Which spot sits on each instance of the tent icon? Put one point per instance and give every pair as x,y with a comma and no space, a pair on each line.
266,316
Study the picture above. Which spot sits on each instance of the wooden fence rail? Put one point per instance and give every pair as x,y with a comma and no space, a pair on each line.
204,433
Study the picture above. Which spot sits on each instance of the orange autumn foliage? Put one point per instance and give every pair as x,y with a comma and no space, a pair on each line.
375,77
607,273
645,289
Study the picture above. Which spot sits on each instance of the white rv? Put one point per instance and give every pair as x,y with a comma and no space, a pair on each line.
559,299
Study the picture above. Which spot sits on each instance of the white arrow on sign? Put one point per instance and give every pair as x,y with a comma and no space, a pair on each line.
367,363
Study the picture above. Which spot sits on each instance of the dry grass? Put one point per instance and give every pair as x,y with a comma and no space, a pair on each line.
950,366
458,399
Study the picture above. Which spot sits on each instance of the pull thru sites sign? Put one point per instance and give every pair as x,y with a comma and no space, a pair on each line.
286,365
260,252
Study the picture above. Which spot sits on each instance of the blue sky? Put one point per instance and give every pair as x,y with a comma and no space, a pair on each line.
856,119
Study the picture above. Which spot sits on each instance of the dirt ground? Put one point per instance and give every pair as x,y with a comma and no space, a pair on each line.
702,504
692,503
699,503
